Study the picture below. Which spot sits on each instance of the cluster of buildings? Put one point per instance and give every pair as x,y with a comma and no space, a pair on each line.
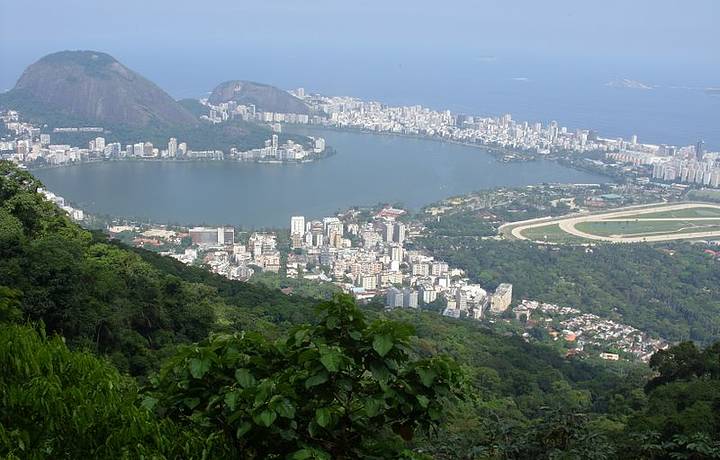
32,147
75,214
584,331
223,255
502,132
273,152
232,110
370,259
690,164
214,247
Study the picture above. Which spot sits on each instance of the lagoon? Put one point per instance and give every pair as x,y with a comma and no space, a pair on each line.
368,169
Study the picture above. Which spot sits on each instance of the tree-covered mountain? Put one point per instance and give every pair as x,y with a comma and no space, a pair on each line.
265,98
93,88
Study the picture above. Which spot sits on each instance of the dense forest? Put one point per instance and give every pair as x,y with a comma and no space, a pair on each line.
672,291
113,352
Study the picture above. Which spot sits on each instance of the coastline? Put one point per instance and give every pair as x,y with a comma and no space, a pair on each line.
329,151
500,153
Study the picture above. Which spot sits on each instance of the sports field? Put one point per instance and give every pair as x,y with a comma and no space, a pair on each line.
649,223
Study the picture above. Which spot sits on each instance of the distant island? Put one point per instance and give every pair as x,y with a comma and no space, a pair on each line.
627,83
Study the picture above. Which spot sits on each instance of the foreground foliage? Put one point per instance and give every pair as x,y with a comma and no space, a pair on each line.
344,388
339,389
56,403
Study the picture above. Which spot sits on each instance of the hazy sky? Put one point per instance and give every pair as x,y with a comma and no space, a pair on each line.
175,32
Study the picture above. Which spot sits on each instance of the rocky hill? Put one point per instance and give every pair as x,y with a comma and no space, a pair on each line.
93,87
266,98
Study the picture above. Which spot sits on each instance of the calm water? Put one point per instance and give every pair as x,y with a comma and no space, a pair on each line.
367,170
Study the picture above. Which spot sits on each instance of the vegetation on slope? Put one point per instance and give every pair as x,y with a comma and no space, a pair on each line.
672,291
248,372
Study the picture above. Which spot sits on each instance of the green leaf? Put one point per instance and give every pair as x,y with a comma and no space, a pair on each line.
379,371
306,454
149,403
231,400
263,393
427,376
382,344
373,406
323,416
332,322
199,367
317,379
302,454
300,335
243,429
191,403
423,400
285,409
265,418
331,359
355,335
244,378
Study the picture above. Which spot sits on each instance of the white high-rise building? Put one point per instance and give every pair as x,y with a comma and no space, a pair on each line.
501,299
332,225
99,144
399,234
297,225
172,147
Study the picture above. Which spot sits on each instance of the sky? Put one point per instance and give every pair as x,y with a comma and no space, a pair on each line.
172,35
539,60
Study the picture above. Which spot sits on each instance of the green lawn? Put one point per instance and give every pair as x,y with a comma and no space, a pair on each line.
691,212
708,195
609,228
552,233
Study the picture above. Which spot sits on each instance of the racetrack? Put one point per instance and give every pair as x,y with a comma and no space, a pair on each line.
631,214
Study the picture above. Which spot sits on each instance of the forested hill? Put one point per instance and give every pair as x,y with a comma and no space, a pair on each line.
671,290
110,352
108,298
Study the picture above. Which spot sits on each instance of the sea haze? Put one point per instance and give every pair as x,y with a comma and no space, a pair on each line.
368,169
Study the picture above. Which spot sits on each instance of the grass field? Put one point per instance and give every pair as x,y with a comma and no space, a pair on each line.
709,195
660,222
693,212
636,228
552,233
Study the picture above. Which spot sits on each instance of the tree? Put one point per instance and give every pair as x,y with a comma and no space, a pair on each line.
345,388
57,403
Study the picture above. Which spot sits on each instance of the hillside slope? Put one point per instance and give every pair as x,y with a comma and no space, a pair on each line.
94,88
